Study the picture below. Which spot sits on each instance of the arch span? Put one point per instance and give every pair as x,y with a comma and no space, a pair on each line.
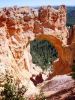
56,43
62,65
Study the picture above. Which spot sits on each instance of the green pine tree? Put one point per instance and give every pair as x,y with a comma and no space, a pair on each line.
43,53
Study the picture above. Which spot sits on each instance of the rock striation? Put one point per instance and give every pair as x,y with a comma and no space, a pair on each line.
61,87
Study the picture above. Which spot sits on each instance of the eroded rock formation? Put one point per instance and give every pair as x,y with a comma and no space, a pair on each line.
19,26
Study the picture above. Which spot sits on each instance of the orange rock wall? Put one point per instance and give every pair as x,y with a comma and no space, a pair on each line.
19,26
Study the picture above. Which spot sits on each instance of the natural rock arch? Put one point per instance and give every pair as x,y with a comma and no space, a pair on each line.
62,65
40,25
52,39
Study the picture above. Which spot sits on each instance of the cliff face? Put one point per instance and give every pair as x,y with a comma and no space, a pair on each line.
19,26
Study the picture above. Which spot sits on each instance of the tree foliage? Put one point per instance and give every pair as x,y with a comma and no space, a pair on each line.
43,53
12,91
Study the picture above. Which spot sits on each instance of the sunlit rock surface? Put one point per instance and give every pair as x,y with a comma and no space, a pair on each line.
58,87
19,26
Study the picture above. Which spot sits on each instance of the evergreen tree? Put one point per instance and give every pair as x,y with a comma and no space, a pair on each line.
43,53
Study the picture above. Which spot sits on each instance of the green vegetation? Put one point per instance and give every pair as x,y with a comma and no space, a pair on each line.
40,96
12,91
43,53
70,16
73,70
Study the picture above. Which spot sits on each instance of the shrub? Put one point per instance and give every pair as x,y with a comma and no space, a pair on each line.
11,91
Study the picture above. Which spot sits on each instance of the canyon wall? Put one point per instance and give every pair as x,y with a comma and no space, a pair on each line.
19,26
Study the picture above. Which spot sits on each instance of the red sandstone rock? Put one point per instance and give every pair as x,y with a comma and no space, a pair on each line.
10,22
2,20
25,26
43,14
38,28
22,28
48,25
27,18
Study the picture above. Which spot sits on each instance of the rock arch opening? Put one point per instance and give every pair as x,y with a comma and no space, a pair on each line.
59,65
43,53
55,46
